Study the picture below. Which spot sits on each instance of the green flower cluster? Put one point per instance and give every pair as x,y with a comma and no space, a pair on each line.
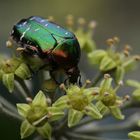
108,99
12,67
111,60
94,102
78,101
37,116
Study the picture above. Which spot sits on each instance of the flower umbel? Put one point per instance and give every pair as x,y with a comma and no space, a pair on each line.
78,101
37,116
111,60
108,99
13,67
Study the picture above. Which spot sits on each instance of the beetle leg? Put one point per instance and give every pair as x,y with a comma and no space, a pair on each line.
29,49
66,81
74,75
53,77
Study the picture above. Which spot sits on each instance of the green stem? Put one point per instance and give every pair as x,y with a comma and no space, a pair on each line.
9,113
20,90
26,93
77,136
58,132
63,125
83,123
129,123
38,137
7,104
97,79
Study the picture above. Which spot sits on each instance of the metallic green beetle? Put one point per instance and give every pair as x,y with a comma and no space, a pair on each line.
56,46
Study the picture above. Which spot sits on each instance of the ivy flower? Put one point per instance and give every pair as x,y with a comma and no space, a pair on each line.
13,67
78,101
111,59
108,99
37,116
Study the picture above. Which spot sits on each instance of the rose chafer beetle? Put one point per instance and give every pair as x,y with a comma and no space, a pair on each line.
56,46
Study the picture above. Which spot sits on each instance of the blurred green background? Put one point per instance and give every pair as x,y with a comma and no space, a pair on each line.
114,17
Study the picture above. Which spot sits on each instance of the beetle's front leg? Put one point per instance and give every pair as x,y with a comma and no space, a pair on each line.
59,75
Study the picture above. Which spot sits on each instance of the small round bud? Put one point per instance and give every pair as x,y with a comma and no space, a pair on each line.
69,17
88,82
81,21
9,44
69,20
127,98
106,76
120,83
110,42
126,53
137,57
127,47
92,24
116,39
50,18
95,93
106,93
29,100
62,86
69,23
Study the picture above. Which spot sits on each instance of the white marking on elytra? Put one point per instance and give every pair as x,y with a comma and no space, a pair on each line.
58,27
12,31
20,25
42,20
37,29
46,25
24,23
25,33
66,33
32,18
